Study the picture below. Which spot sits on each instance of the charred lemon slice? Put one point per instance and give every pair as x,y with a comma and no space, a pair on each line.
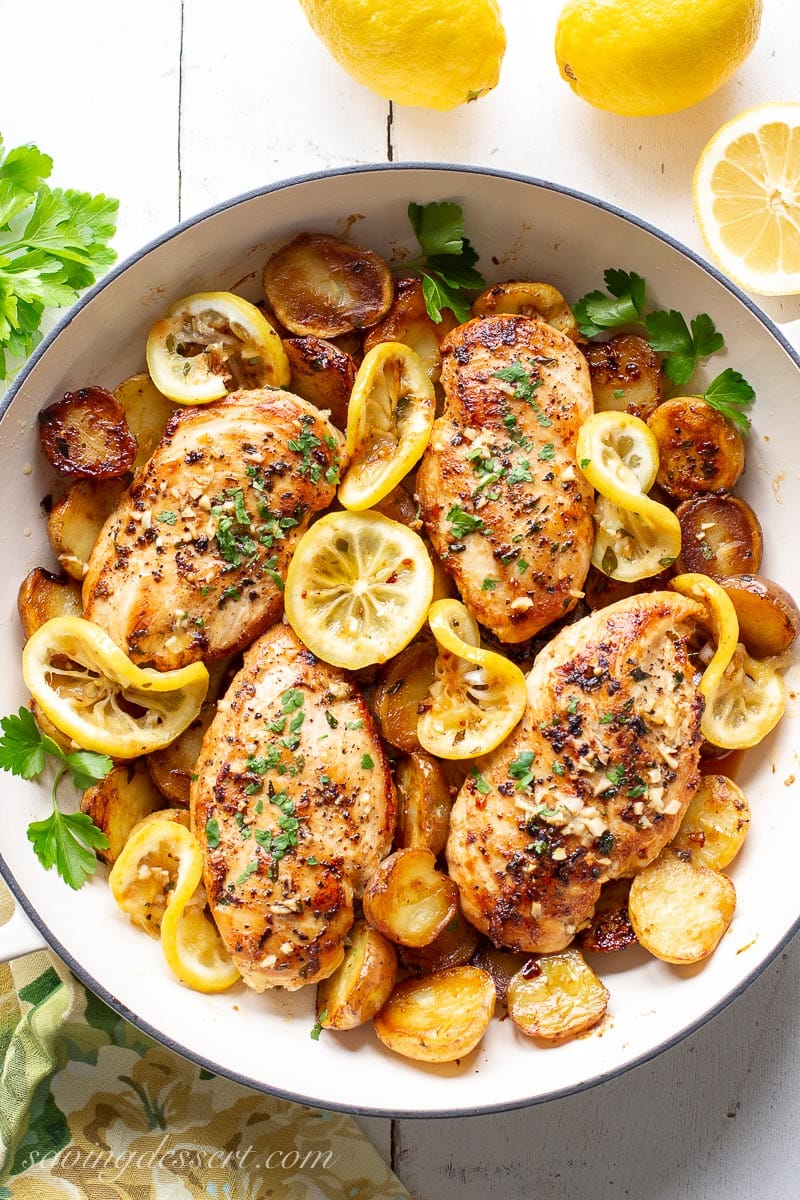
213,343
634,545
389,422
477,696
93,693
358,588
193,948
618,454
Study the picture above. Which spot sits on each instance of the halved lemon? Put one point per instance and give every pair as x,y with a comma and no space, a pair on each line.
618,454
92,692
634,545
389,422
193,948
746,704
358,588
477,696
212,343
159,867
746,193
722,618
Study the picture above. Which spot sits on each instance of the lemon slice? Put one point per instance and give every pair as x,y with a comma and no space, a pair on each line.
477,696
724,623
213,343
389,422
618,454
358,588
92,692
193,948
159,868
746,193
634,545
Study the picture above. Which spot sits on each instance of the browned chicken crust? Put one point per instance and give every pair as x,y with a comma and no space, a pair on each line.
191,563
592,784
294,808
502,498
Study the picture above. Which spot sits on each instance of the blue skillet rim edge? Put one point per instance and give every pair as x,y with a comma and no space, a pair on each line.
77,969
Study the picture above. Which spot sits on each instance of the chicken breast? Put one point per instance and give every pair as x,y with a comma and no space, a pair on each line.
191,563
502,498
594,781
294,807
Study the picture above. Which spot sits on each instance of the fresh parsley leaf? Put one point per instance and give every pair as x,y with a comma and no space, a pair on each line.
53,243
21,748
316,1028
480,783
683,348
67,841
731,394
461,523
447,262
625,306
86,767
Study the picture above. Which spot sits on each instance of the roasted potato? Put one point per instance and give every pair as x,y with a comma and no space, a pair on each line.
600,589
423,803
440,1017
455,945
86,435
75,521
610,928
769,619
501,964
322,374
323,287
407,321
119,802
46,725
626,375
715,824
403,687
699,450
400,506
720,535
408,900
528,299
43,596
146,412
361,984
171,769
680,911
556,996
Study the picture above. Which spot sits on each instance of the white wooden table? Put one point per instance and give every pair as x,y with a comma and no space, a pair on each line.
174,105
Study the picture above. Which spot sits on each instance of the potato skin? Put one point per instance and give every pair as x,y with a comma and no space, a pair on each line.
769,619
171,769
423,803
43,596
679,911
438,1018
529,299
626,375
119,802
322,374
699,450
361,984
395,895
454,946
720,535
146,412
86,435
402,688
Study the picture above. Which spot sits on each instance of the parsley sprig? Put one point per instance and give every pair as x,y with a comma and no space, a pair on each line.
66,841
53,243
447,262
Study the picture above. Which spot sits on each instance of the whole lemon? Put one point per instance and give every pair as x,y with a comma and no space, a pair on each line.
642,58
433,53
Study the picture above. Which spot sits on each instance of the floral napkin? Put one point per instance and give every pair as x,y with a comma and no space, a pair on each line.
92,1109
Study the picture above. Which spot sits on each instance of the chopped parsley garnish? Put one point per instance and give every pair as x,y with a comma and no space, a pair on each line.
480,783
316,1028
521,473
523,381
212,832
520,769
167,517
487,469
269,568
572,707
304,445
230,593
640,789
547,452
331,719
447,261
522,565
366,762
605,843
558,768
616,773
292,699
461,523
249,870
359,724
489,584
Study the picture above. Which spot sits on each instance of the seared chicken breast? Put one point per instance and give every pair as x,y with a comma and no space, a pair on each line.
502,499
594,781
191,563
294,807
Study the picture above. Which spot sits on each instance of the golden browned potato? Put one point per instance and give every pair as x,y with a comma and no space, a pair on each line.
172,768
626,375
322,374
610,928
423,803
403,687
400,506
324,287
46,725
715,824
43,596
86,435
769,619
600,589
408,900
501,964
76,519
117,803
720,535
407,321
680,911
146,412
455,945
528,299
440,1017
556,996
699,450
361,984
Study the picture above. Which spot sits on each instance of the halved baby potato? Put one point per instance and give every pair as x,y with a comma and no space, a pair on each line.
322,374
408,321
43,596
75,521
423,803
86,435
720,535
438,1018
769,619
454,946
715,824
171,769
529,299
626,375
556,996
361,984
699,450
146,412
119,802
680,911
402,689
501,964
322,286
408,900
